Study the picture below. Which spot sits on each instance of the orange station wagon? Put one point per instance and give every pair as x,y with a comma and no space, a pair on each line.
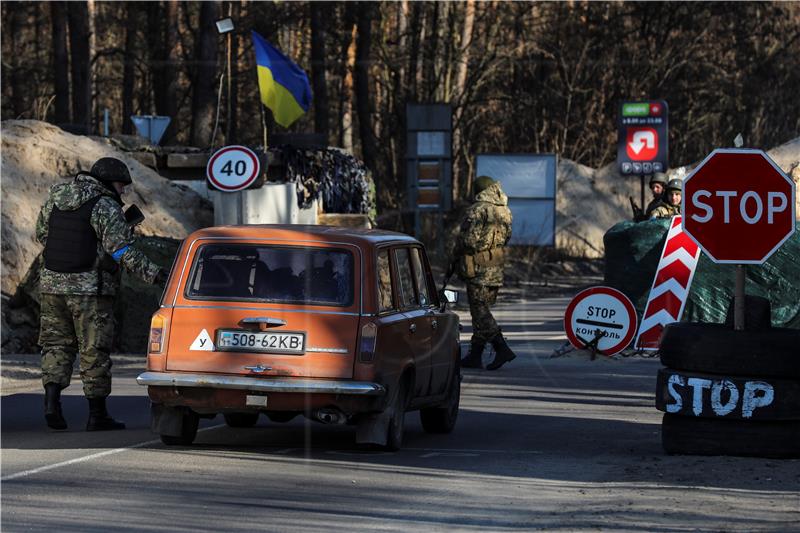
344,326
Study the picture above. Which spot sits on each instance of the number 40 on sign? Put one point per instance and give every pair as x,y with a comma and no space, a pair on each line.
233,168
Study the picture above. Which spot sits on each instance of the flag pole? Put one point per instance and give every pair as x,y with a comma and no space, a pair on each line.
264,127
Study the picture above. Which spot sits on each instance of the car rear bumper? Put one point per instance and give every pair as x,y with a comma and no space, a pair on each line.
265,384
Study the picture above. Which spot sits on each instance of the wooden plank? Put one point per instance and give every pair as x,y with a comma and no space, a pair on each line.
187,160
146,158
348,221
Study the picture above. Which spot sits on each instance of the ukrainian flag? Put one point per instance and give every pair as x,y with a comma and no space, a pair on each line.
283,85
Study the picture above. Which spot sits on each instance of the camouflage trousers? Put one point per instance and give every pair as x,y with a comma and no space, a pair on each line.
77,323
484,326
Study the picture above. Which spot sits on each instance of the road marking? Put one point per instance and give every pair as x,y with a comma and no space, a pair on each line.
85,458
448,454
467,450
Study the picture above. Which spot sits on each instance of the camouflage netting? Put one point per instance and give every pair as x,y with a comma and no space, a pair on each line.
341,181
133,306
634,249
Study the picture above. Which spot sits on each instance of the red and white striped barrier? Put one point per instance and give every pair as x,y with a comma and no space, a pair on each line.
670,288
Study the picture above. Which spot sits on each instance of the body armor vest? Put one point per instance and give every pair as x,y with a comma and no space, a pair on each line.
71,240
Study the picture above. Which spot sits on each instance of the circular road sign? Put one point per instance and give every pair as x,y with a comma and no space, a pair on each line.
233,168
738,206
604,314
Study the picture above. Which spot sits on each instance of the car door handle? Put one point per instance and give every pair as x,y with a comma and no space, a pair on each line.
434,324
412,328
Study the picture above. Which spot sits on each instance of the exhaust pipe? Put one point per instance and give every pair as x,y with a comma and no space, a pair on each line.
330,415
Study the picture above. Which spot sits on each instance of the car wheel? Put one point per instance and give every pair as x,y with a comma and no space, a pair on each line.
718,349
189,422
241,420
443,419
709,436
394,438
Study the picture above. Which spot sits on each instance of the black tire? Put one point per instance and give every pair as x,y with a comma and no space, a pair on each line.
757,313
765,398
443,419
281,417
685,435
394,437
241,420
717,349
190,421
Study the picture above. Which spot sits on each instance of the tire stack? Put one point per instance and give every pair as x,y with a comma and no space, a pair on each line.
728,392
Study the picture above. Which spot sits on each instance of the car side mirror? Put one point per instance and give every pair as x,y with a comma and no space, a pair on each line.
451,296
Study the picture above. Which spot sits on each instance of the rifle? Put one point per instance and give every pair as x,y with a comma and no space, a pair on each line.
638,214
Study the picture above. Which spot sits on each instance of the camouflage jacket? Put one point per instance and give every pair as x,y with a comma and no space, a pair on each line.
113,235
654,203
665,210
485,229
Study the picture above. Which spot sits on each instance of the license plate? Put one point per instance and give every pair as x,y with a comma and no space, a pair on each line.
268,342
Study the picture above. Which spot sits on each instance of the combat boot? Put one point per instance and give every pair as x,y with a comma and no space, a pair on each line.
474,357
99,419
503,353
52,407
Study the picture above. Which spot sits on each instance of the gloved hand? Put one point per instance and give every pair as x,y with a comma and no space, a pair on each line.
161,277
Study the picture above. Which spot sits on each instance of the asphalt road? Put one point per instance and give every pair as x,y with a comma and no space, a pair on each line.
543,443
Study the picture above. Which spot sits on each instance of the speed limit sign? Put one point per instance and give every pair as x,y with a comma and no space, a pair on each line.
233,168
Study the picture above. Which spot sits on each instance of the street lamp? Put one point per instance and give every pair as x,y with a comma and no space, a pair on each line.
225,27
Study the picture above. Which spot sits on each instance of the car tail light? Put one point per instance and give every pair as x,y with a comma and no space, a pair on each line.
158,330
369,336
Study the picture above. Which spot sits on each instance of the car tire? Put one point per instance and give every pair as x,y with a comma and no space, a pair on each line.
682,435
189,423
443,419
394,437
241,420
718,349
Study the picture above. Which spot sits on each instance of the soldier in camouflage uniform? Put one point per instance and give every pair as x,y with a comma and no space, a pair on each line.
479,259
657,183
671,203
86,239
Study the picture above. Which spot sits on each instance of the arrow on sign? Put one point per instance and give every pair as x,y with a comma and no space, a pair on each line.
642,139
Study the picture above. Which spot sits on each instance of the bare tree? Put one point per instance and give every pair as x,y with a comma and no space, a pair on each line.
78,19
129,63
319,12
366,14
58,16
204,99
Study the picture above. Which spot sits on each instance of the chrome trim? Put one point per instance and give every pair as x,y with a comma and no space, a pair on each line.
310,311
348,244
327,350
264,384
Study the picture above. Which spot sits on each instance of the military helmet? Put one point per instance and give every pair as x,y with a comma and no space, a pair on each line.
675,184
482,183
658,177
110,169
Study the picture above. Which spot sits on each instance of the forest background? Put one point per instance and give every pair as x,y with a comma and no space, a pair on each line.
521,76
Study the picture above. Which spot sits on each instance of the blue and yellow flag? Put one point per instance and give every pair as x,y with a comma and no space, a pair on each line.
283,85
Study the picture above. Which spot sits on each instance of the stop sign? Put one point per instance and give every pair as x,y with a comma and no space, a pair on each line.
738,206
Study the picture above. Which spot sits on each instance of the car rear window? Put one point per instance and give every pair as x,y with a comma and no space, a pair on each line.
279,274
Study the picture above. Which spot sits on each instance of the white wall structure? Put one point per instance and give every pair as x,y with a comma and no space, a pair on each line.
274,203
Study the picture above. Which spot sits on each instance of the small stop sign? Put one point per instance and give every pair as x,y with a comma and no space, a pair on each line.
738,206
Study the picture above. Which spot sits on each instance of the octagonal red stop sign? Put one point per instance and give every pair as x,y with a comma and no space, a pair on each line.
738,206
